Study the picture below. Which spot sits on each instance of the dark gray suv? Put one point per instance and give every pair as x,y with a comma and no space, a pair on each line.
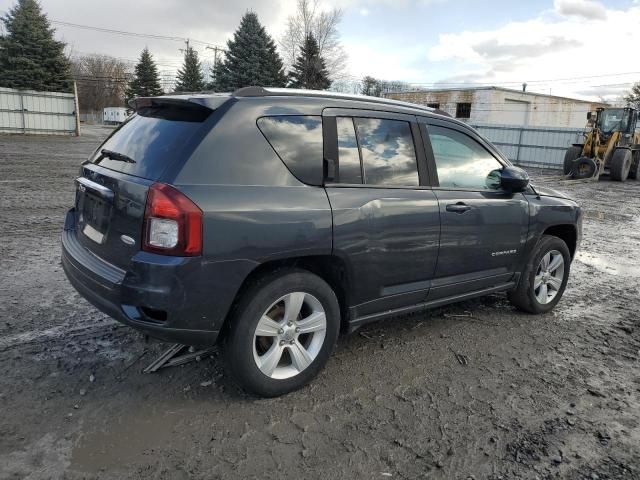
270,220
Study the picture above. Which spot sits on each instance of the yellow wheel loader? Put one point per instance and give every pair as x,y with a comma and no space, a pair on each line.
611,145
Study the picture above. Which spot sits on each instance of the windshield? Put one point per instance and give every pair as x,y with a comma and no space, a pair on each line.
613,120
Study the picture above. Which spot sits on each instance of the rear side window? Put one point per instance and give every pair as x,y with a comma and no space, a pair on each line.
388,152
297,139
152,140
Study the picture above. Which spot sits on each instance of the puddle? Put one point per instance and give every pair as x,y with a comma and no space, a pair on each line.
128,437
616,217
612,266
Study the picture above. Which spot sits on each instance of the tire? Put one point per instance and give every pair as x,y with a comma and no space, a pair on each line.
620,165
282,360
526,296
570,156
634,171
584,168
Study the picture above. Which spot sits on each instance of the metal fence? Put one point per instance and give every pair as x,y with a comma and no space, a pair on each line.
531,146
27,111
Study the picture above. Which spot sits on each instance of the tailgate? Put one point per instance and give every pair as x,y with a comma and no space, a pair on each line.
110,213
112,189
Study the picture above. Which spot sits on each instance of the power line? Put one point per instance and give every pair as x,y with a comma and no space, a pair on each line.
131,34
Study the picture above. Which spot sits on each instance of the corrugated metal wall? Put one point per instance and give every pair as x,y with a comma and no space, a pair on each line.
531,146
26,111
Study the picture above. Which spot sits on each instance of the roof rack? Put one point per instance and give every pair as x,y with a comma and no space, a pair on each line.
292,92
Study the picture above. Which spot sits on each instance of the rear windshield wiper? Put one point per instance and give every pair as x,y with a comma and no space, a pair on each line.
121,157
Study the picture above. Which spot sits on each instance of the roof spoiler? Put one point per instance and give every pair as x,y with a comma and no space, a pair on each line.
139,103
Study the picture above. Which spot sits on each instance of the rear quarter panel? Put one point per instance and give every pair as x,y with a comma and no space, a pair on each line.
255,210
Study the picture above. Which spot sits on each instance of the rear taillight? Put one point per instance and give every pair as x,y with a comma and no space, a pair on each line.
172,223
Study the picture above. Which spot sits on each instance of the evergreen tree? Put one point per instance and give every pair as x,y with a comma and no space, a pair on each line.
251,59
633,97
30,58
309,71
190,78
145,81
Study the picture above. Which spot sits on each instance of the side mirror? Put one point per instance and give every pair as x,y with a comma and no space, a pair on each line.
514,179
588,115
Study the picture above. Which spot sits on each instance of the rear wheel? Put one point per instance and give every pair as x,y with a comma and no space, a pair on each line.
284,330
570,156
620,164
634,171
545,277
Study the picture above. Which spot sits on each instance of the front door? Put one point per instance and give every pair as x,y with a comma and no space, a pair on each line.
483,228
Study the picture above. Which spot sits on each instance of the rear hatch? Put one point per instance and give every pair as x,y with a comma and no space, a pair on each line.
112,189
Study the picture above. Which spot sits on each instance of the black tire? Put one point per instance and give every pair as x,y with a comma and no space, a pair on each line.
584,168
570,156
620,165
524,296
634,171
239,342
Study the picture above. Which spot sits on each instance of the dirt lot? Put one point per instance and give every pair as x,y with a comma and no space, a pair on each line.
475,390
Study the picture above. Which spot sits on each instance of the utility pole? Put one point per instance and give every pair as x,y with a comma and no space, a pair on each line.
215,60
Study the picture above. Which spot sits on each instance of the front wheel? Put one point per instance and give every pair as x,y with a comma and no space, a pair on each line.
545,277
284,330
570,156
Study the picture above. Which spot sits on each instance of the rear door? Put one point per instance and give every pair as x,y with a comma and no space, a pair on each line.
483,228
385,216
112,188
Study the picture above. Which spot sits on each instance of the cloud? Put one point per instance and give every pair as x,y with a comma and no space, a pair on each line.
493,49
589,9
543,48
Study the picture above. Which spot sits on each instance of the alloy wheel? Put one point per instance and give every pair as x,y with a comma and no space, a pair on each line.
289,335
549,277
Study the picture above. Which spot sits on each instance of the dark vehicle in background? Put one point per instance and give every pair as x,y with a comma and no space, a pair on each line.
271,220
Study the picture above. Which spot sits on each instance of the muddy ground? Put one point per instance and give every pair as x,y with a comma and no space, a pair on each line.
472,390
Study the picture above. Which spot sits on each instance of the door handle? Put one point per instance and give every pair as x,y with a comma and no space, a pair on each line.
458,207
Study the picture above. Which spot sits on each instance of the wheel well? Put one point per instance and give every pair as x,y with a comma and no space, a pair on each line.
330,268
567,233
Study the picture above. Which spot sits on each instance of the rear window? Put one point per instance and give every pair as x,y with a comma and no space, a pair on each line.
297,139
153,138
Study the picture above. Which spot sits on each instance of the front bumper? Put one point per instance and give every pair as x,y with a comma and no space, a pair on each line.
171,285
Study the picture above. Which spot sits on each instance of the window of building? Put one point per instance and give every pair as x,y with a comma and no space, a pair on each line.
461,162
463,110
387,151
434,105
348,154
297,139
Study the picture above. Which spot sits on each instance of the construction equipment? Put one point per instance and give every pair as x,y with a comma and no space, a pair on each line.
611,145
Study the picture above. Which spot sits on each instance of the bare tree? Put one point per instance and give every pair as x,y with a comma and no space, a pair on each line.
310,19
101,79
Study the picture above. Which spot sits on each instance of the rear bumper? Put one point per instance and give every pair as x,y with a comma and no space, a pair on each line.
171,285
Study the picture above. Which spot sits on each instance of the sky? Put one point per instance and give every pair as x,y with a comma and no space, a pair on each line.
579,48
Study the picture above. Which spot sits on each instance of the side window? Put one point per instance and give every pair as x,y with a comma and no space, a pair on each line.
388,152
461,162
348,154
297,139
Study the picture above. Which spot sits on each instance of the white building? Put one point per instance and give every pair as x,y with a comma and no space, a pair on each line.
504,106
114,115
